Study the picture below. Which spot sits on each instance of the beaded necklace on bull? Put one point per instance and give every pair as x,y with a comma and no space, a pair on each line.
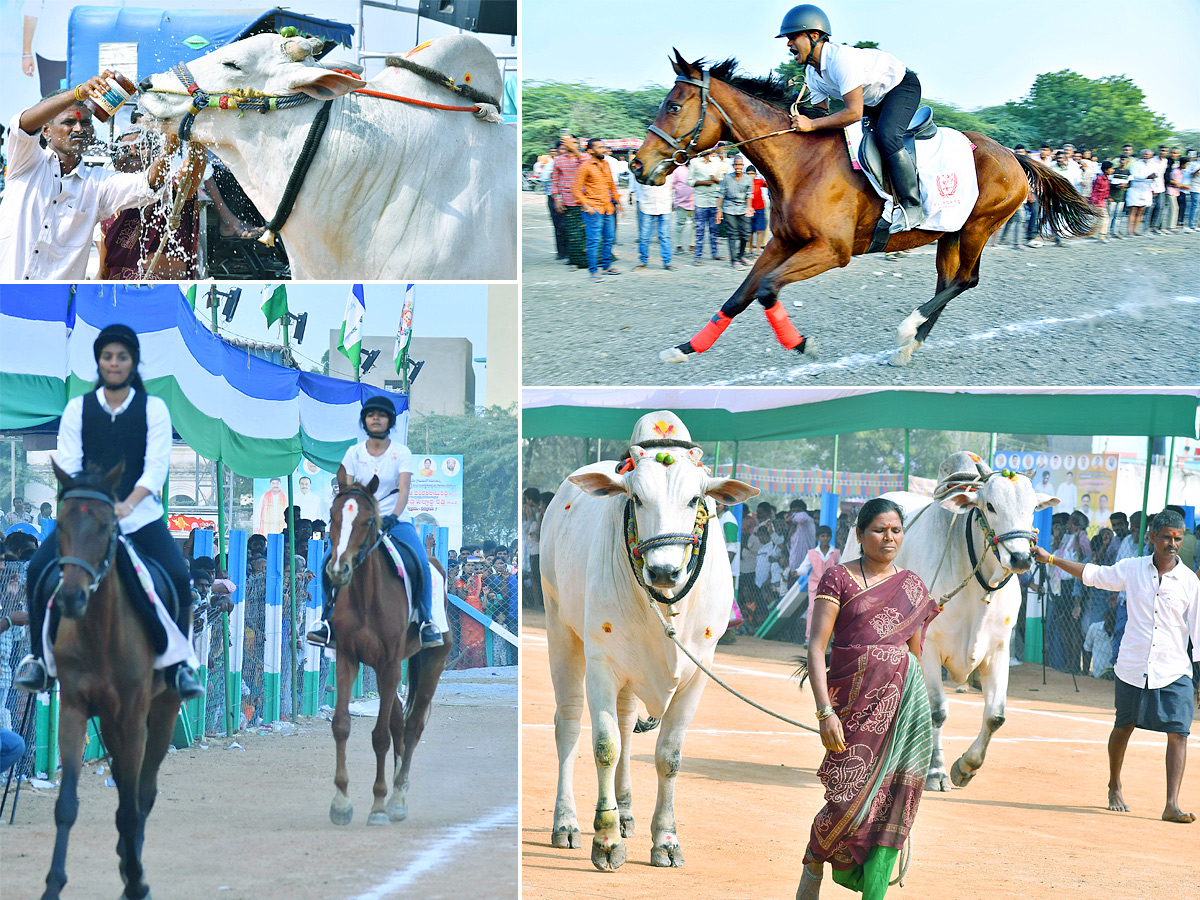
695,541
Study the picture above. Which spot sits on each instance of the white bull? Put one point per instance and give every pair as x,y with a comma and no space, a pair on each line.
604,635
969,633
395,190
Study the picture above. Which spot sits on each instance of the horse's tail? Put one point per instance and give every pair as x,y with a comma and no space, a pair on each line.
1059,205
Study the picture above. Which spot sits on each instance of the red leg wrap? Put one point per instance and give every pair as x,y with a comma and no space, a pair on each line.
784,330
707,336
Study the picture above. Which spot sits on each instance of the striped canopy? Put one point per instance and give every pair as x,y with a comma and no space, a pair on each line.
255,416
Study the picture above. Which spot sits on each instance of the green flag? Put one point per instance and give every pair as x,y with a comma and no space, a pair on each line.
350,342
191,296
274,302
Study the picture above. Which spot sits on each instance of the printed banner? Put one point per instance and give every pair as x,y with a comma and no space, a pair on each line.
1081,481
436,497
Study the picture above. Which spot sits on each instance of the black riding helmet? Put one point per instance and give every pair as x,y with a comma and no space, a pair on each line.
378,403
805,17
118,334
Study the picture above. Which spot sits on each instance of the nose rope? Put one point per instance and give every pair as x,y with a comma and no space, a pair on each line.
695,542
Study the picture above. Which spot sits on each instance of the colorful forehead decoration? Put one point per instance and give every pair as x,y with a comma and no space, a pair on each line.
78,115
974,458
665,458
664,429
1009,474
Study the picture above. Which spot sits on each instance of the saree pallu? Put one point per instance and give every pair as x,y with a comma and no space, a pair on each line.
873,787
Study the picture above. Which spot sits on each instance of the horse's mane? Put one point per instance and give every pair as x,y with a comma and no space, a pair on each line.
771,89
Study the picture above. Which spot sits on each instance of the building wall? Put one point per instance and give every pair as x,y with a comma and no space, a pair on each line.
503,327
445,385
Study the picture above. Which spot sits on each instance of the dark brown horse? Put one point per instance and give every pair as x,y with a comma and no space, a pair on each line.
823,211
105,666
372,626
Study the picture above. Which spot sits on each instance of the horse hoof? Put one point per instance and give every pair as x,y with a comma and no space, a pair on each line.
806,347
397,812
666,855
608,856
378,818
937,782
907,332
959,776
627,826
340,815
565,838
672,355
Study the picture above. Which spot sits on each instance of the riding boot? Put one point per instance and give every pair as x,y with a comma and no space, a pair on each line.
430,634
182,679
903,170
32,675
322,635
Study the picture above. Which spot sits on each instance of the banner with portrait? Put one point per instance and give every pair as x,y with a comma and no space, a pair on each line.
436,495
1081,481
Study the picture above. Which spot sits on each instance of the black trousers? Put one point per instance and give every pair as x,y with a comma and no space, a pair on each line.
894,112
560,232
153,541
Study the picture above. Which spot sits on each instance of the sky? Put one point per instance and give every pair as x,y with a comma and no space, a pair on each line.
439,310
970,54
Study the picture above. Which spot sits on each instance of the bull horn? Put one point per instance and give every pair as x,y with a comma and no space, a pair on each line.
984,472
317,45
297,49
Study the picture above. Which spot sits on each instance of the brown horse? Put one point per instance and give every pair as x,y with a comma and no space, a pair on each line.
105,668
372,626
823,211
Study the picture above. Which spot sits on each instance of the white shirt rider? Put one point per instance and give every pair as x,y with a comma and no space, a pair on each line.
845,68
361,466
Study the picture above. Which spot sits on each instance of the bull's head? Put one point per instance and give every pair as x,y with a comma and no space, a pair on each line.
262,65
666,487
1007,502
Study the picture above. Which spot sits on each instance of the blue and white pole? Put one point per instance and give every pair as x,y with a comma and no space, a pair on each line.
317,551
273,629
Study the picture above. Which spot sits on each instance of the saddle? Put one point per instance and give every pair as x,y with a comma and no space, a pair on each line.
413,568
921,128
138,597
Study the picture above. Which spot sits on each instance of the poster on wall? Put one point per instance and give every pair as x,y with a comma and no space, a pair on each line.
313,490
436,497
1081,481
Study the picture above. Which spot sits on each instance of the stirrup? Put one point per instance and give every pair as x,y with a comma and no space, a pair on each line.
322,635
186,684
431,635
32,675
911,217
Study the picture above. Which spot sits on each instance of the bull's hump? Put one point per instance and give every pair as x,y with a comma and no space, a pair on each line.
463,58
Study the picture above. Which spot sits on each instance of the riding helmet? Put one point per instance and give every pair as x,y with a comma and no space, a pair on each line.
118,334
379,403
805,17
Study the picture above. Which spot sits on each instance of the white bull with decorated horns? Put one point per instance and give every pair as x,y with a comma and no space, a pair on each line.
622,543
966,545
410,175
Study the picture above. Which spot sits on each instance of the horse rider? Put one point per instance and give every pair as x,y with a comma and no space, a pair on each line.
393,464
869,82
116,422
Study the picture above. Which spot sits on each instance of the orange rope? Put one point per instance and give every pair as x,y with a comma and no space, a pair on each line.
397,97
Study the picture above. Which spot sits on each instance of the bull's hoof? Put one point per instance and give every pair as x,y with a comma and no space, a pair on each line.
937,781
666,855
378,817
673,355
960,776
397,812
627,826
607,855
566,838
341,813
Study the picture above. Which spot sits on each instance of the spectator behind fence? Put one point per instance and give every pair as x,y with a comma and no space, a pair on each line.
562,192
600,203
684,202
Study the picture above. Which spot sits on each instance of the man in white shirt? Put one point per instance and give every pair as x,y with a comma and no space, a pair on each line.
52,203
1154,687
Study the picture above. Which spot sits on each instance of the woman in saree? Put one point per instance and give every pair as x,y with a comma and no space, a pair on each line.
872,707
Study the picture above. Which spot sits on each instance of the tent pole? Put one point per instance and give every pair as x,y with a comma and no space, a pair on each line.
833,485
992,448
290,658
1170,466
717,457
906,433
733,471
1146,493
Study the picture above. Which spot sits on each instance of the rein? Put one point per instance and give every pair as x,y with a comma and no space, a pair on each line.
682,154
97,575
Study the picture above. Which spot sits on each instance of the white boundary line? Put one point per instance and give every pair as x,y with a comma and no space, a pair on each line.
439,852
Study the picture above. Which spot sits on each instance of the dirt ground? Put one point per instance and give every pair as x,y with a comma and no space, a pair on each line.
253,824
1039,316
1032,824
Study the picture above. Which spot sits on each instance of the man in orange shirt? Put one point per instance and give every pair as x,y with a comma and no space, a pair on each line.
598,199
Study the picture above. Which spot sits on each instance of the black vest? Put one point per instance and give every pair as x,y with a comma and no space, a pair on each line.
107,440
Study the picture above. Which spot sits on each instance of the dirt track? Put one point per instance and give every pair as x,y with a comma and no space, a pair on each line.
1033,823
1120,313
254,825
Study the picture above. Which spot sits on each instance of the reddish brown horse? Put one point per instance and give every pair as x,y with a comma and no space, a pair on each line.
823,211
371,625
105,668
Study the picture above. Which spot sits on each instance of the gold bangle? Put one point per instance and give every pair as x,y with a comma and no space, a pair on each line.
824,713
1050,561
78,88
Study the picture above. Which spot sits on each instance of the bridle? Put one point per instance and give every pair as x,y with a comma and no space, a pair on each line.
240,99
97,575
372,523
682,154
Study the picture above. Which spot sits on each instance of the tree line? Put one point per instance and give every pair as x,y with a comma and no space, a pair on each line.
1094,113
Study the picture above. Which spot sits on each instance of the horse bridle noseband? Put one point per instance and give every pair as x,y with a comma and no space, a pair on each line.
97,575
368,546
683,154
240,100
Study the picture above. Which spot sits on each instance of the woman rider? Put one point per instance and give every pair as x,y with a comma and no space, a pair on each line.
872,708
867,81
117,422
393,464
